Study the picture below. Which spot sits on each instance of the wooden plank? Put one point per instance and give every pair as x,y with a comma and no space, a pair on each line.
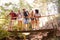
41,30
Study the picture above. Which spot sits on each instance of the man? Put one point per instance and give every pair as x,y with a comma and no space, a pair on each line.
13,17
26,18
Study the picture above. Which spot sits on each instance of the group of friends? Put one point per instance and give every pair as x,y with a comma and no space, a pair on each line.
25,17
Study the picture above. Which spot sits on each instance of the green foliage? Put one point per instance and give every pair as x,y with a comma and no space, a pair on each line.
5,12
1,7
24,4
8,4
3,33
59,2
15,9
58,18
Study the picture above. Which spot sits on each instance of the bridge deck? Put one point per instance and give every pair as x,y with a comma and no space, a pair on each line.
41,30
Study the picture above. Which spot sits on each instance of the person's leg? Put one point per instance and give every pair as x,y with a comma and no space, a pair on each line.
20,24
25,24
37,25
9,28
32,22
37,22
11,25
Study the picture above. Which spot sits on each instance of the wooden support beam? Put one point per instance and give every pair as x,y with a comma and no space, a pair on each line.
30,31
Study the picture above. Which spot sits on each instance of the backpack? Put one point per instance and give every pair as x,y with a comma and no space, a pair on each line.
25,14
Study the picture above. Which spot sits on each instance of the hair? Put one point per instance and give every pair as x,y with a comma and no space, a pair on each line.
32,13
23,9
36,11
11,10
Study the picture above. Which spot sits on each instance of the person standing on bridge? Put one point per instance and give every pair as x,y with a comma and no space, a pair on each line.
26,18
37,16
20,19
32,19
13,17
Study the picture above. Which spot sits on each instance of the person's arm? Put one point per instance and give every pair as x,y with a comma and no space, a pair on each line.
22,15
17,15
35,16
28,15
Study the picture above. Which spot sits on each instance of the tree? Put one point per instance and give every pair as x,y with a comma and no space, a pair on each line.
24,4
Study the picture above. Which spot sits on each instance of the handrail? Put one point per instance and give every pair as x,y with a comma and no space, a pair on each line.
40,17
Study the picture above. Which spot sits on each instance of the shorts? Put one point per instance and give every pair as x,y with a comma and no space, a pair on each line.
12,22
20,19
36,18
13,18
26,20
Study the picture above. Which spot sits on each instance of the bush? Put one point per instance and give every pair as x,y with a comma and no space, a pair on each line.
3,33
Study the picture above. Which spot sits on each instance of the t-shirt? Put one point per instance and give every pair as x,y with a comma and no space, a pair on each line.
37,15
13,15
20,16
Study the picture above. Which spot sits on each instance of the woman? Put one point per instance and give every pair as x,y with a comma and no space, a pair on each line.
20,18
37,16
32,19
